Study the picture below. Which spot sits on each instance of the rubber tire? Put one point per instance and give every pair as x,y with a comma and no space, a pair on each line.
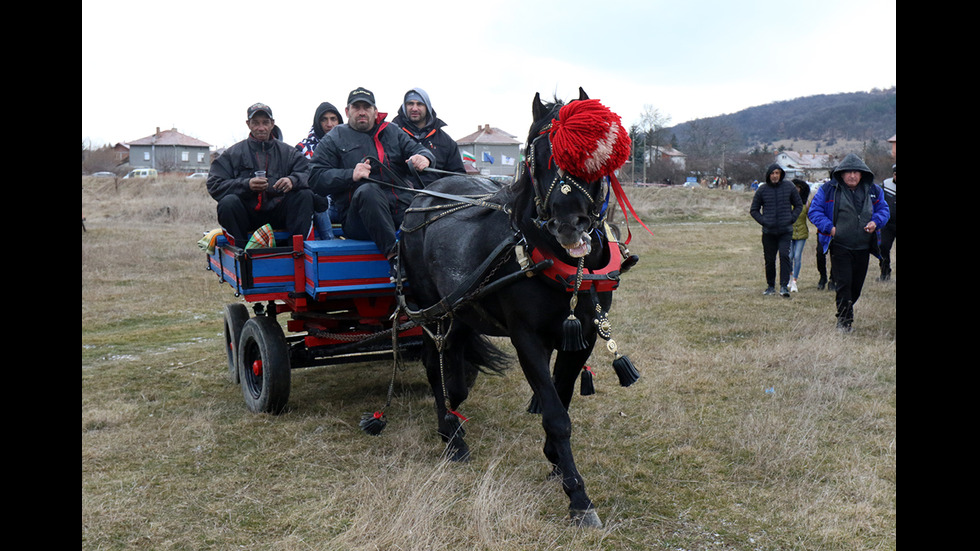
262,339
235,317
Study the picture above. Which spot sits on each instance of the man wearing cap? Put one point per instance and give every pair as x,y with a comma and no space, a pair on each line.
246,200
418,119
340,169
888,232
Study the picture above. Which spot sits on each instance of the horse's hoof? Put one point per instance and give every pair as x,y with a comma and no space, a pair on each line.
585,519
457,455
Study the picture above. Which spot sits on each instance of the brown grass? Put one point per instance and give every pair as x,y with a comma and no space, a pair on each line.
696,455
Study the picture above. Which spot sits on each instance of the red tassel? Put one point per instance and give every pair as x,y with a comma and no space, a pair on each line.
588,140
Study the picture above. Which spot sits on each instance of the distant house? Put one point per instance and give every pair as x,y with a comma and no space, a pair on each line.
120,153
808,166
892,141
655,154
170,151
490,152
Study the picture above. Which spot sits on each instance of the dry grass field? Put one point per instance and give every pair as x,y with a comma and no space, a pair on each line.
755,424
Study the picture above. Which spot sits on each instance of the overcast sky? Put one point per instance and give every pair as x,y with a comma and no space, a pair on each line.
197,65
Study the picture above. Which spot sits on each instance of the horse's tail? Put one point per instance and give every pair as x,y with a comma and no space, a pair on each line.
475,353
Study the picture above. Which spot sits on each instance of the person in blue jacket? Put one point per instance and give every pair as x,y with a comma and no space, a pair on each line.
849,212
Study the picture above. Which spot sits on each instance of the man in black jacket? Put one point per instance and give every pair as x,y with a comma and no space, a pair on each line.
418,119
366,210
775,206
261,180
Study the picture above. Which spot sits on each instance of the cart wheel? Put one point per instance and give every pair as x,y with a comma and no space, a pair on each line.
263,363
235,317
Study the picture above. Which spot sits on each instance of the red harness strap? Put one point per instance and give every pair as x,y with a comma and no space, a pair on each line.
603,279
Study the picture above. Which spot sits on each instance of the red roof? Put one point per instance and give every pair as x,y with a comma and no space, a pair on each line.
488,135
169,137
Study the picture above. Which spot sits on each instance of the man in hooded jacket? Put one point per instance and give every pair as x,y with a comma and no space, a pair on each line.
247,201
775,206
418,119
849,212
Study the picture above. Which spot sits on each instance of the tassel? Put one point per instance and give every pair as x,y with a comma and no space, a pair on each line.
625,369
571,334
373,423
455,421
588,385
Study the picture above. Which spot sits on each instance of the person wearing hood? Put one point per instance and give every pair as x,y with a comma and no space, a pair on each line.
261,180
324,119
418,119
344,168
775,206
849,212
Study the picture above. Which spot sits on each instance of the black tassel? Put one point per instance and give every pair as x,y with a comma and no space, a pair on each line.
455,422
534,406
625,370
571,334
588,385
373,423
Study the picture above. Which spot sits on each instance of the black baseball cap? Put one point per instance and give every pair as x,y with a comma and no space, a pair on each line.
257,108
361,94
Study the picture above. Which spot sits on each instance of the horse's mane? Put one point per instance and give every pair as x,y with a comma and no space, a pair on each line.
520,193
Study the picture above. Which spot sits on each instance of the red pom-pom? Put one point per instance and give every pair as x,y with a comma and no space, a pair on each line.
588,140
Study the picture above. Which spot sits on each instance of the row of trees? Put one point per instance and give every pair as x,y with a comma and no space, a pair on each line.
713,148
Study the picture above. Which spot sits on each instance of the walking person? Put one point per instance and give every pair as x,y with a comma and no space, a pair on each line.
800,234
849,213
775,206
888,232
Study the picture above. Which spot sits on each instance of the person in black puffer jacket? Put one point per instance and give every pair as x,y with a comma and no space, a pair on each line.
775,206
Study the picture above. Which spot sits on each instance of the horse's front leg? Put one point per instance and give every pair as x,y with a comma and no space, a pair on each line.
445,377
534,356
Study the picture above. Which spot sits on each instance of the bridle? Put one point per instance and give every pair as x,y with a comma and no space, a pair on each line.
565,183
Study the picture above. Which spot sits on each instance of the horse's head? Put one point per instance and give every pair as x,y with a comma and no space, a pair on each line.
570,150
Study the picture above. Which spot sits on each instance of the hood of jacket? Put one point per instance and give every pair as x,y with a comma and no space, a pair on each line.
773,168
431,121
325,107
853,162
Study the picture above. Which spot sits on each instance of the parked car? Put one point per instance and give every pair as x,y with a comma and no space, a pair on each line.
142,173
198,175
104,175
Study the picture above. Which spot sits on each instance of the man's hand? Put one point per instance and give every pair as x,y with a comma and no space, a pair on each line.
283,185
362,170
258,184
420,162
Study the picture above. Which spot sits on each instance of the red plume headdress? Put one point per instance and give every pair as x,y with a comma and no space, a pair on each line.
588,140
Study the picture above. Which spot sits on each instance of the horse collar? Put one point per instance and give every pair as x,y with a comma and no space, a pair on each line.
601,279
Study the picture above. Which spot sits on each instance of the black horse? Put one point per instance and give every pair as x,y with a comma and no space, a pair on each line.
472,269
